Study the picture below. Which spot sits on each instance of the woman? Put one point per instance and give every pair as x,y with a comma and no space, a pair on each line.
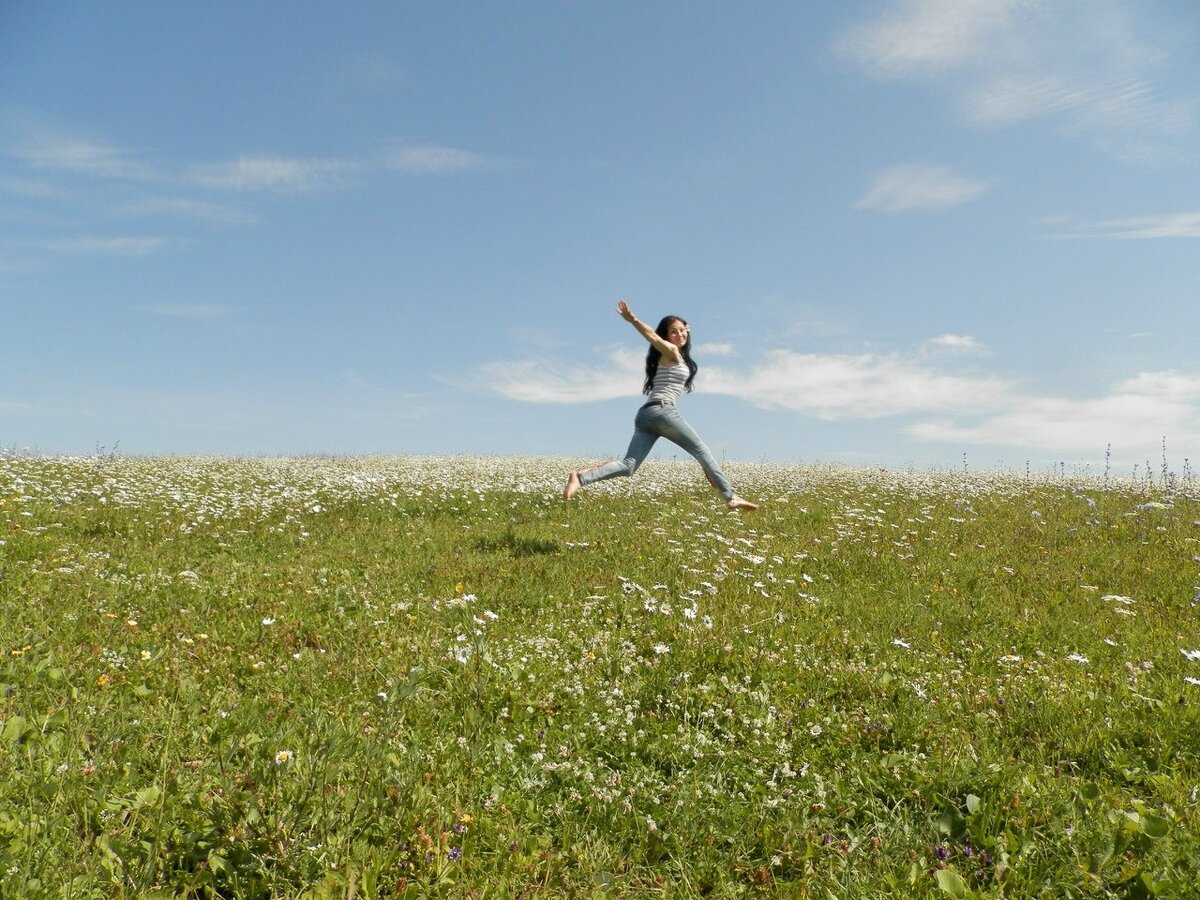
670,370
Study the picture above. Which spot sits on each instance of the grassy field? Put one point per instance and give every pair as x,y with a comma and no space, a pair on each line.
400,677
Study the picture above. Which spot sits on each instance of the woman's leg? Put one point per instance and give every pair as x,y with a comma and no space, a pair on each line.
671,425
639,449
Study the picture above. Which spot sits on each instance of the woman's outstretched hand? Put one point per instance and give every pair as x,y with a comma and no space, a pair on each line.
625,311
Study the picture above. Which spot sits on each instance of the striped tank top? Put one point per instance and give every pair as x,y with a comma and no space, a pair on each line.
668,383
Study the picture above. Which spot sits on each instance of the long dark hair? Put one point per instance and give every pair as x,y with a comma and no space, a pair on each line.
653,356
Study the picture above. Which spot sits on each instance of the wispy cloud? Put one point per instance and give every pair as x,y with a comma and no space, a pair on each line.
45,148
276,174
919,188
27,187
374,72
1134,416
189,208
187,310
54,149
91,245
432,159
540,337
1082,63
1133,228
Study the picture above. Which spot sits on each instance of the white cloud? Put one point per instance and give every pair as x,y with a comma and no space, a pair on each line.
536,381
713,348
1134,417
1166,225
924,36
955,343
865,386
917,187
278,174
1081,63
825,386
431,159
187,310
935,403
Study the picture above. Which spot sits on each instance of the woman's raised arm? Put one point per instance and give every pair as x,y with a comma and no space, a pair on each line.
669,351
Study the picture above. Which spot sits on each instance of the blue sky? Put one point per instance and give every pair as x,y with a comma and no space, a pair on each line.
904,232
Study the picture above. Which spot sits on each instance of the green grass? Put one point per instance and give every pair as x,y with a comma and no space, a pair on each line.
430,677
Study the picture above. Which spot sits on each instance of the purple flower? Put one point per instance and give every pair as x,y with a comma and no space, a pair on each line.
941,853
458,827
455,853
967,851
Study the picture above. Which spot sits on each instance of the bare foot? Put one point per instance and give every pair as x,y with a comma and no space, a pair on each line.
737,503
572,486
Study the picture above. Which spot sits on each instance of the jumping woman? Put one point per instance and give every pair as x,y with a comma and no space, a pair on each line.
670,371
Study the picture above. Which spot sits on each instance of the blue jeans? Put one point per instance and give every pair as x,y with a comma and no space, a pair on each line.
652,423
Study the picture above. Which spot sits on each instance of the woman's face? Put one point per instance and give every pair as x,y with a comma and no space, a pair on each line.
677,333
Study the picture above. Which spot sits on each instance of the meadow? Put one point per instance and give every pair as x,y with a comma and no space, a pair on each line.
411,677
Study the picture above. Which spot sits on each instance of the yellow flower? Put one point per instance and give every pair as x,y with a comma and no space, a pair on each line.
102,680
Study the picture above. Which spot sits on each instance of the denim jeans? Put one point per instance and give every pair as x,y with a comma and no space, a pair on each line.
651,424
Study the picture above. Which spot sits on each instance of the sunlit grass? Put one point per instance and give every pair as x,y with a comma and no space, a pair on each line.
426,677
